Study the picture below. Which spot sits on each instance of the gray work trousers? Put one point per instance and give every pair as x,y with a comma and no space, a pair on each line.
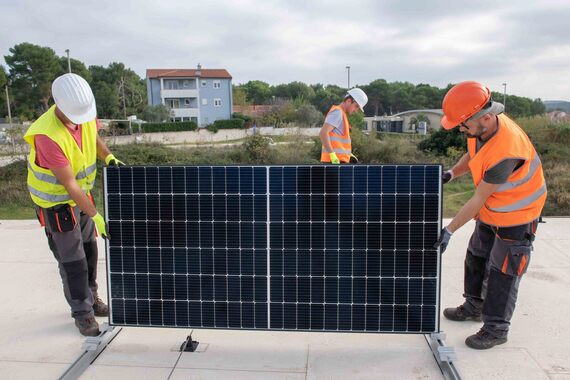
496,259
72,240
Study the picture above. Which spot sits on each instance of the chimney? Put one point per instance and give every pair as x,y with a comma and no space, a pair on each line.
199,70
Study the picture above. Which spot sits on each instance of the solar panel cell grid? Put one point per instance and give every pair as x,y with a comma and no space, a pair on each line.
284,248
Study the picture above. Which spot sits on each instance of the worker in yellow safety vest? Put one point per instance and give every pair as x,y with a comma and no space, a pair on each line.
335,132
509,196
64,146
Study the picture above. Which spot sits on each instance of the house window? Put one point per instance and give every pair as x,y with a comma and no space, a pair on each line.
186,83
217,102
173,103
204,101
204,83
217,84
172,85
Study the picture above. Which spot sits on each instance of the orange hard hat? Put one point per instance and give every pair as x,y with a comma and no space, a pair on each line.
462,101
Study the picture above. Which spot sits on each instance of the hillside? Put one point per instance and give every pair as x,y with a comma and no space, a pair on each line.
553,105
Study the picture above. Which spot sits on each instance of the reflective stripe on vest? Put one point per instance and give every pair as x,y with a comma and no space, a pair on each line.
340,139
523,202
43,176
534,165
49,197
87,171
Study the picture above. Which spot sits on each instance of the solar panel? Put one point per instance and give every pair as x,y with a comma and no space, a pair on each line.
310,248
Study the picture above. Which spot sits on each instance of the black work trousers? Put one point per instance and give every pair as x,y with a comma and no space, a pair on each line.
72,239
496,259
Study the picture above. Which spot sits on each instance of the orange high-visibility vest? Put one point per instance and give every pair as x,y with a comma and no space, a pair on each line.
341,144
520,200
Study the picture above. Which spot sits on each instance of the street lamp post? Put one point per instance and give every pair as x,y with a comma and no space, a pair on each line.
348,70
68,60
505,95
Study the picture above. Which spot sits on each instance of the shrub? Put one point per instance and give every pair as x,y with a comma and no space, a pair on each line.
237,115
439,142
229,124
308,115
257,149
169,127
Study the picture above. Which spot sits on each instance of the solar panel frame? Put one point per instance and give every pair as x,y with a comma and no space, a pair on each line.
172,307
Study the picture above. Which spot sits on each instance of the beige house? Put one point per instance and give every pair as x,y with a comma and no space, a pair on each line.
403,122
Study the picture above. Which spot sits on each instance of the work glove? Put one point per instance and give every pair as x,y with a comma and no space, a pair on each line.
334,158
443,240
100,224
447,176
111,160
353,156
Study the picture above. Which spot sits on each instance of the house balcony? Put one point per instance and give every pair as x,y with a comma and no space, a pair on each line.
182,93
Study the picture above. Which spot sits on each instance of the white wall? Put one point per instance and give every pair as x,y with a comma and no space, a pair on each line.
205,136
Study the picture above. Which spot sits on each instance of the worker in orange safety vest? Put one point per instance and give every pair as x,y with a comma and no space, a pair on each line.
509,196
335,132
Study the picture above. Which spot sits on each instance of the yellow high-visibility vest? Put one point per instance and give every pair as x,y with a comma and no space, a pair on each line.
46,191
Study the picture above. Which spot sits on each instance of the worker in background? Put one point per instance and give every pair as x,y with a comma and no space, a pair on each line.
509,196
64,146
335,132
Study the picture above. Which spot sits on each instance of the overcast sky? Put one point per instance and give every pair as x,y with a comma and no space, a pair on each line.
522,43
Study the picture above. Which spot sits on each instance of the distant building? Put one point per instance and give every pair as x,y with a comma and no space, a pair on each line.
199,95
403,122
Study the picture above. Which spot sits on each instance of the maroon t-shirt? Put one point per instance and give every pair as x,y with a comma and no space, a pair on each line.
49,154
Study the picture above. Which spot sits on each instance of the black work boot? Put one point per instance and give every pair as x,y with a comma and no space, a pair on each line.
87,326
461,314
483,340
99,308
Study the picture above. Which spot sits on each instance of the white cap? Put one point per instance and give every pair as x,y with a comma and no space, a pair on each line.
359,96
73,96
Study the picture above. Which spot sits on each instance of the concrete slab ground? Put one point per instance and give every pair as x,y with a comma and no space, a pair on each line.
38,339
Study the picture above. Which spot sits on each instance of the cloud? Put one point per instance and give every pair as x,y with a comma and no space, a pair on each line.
436,42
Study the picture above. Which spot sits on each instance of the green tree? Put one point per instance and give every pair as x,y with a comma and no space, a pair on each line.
293,90
442,142
537,107
309,116
239,96
257,91
3,84
156,113
378,92
32,70
325,97
356,120
119,92
77,67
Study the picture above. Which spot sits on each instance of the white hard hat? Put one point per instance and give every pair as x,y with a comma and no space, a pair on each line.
359,96
73,96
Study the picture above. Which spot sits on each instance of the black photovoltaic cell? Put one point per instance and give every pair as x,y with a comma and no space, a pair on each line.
320,248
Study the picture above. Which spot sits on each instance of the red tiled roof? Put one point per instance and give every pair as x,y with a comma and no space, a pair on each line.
206,73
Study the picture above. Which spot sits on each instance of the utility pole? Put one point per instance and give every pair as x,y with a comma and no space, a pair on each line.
348,70
124,99
8,105
505,95
68,61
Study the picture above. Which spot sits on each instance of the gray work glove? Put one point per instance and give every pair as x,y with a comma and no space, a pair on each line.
447,176
443,240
